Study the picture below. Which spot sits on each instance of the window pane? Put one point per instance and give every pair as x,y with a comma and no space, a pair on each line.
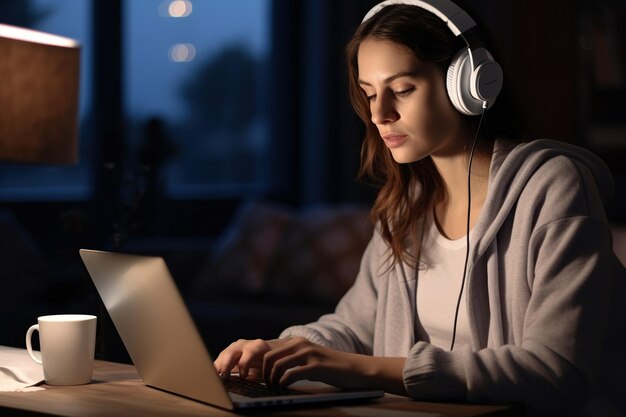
194,79
24,182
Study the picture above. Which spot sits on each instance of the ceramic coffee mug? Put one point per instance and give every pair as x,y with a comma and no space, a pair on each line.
67,343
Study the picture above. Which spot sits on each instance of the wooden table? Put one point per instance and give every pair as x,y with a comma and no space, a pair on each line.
117,391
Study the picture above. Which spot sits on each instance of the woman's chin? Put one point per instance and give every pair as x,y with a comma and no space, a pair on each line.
404,157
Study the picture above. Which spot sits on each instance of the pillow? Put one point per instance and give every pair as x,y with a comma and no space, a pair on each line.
240,259
319,256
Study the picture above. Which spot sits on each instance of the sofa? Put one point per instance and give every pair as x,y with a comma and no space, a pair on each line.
273,267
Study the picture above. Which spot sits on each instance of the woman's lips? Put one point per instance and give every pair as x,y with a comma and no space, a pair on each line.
393,140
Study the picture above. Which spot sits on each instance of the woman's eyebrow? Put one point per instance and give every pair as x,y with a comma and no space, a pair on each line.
393,77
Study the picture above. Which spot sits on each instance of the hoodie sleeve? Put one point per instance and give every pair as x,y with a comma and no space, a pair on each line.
567,319
351,327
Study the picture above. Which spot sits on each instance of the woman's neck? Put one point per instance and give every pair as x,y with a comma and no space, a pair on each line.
451,212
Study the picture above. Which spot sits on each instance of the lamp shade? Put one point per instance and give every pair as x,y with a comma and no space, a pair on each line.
39,75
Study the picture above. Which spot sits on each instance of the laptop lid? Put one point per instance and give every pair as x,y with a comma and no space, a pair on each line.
162,340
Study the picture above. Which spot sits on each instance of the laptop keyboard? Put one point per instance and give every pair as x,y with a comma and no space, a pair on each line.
254,389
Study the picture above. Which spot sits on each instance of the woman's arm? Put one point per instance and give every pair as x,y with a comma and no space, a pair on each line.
351,327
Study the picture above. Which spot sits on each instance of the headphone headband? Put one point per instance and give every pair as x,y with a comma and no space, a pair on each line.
474,79
456,18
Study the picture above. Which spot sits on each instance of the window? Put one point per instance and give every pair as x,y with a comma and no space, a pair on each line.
194,80
19,182
195,97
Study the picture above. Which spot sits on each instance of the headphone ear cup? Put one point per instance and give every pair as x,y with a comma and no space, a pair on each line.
486,80
458,85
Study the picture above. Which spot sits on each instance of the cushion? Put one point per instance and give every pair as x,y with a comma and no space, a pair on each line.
276,253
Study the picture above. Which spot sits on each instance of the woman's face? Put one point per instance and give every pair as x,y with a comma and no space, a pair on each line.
408,102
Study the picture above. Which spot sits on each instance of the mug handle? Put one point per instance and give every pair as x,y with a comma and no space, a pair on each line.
29,346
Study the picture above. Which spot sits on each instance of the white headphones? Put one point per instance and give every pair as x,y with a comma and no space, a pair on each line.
474,79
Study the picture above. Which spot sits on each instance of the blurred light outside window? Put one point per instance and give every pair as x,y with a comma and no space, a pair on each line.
29,182
196,95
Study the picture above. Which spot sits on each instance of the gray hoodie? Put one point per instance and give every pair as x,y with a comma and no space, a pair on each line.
545,296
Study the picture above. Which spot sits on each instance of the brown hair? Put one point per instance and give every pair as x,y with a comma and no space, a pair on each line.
397,208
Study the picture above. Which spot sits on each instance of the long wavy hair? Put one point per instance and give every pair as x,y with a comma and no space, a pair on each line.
407,191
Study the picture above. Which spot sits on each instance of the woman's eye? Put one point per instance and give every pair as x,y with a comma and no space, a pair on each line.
400,93
404,93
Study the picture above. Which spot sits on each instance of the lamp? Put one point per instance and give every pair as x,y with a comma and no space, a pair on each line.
39,76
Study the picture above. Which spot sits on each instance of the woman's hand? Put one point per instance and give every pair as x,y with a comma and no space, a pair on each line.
299,358
245,356
282,362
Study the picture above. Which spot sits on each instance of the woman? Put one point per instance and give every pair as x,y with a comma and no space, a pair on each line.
523,308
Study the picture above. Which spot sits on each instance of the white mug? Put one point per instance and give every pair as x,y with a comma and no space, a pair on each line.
68,342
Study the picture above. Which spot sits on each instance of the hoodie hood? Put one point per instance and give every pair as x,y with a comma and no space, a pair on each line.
510,172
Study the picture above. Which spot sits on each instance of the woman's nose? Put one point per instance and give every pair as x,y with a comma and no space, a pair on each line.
383,110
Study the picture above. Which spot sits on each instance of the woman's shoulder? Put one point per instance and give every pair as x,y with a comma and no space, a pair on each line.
542,150
549,163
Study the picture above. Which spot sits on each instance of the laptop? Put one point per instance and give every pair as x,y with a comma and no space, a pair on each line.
163,342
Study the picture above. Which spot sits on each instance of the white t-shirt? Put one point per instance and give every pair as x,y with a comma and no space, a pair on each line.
438,286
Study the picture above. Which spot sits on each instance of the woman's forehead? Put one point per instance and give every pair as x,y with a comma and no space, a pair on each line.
381,59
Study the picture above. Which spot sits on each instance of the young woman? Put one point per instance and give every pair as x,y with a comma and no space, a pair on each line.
508,291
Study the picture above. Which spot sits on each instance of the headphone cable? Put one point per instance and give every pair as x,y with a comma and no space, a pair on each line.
467,238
